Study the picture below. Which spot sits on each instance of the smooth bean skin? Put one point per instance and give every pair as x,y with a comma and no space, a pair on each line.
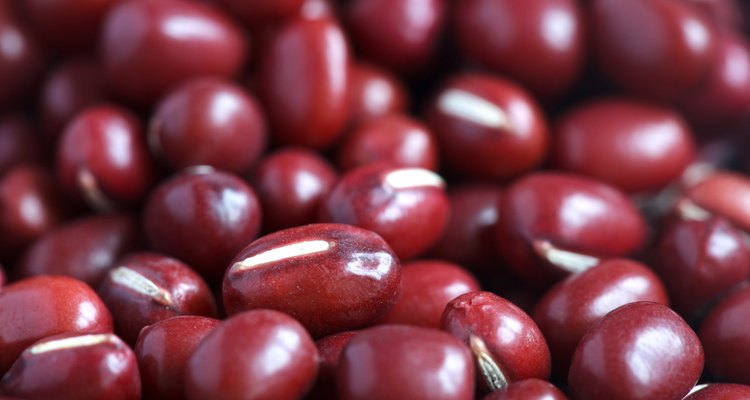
514,39
491,121
303,83
243,359
659,49
642,350
634,146
405,362
37,307
150,47
569,212
724,334
568,309
330,277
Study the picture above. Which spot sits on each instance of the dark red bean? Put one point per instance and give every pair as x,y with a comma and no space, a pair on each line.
3,278
330,349
74,85
34,308
641,350
401,35
634,146
725,334
208,121
103,158
490,121
427,286
540,43
571,307
406,206
720,391
405,362
507,344
469,237
202,217
258,12
700,260
330,277
84,248
21,61
75,366
30,206
149,47
727,13
553,224
528,389
304,82
278,359
291,184
660,49
725,194
145,288
19,143
394,138
373,92
723,96
68,25
163,350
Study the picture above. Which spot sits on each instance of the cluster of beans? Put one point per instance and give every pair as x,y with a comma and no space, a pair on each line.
374,199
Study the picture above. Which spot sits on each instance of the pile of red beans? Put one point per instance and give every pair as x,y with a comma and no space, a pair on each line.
374,199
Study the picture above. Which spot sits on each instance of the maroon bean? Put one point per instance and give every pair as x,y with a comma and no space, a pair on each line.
145,288
257,12
727,13
699,261
634,146
427,286
394,138
406,206
469,237
330,277
21,61
29,207
720,391
291,184
75,366
74,85
490,121
528,389
83,249
202,217
208,121
68,25
725,335
507,344
19,143
641,350
723,97
401,35
724,194
163,350
103,159
405,362
149,47
540,43
660,49
553,224
571,307
330,349
34,308
373,92
304,79
2,276
277,360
